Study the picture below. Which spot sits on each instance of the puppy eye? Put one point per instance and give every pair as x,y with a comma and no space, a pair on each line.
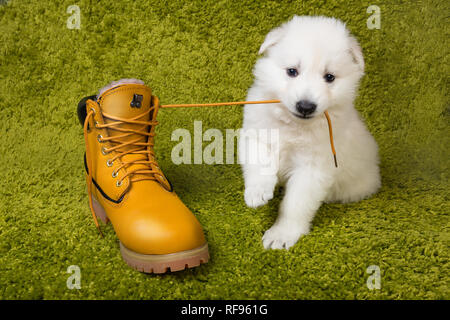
329,77
292,72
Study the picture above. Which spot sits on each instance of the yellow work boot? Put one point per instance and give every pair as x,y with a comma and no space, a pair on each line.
157,232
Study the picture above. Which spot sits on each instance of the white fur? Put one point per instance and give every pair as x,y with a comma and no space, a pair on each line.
314,45
118,83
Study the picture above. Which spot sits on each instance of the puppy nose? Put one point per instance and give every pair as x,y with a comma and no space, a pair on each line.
306,107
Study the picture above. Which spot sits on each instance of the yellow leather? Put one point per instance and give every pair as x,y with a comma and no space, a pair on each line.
148,218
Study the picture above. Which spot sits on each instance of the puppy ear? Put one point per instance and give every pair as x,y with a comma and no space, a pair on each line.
272,38
356,53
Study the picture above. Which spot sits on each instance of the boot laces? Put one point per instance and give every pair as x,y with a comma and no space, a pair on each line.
140,147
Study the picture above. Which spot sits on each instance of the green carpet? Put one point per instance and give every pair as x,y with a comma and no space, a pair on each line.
201,51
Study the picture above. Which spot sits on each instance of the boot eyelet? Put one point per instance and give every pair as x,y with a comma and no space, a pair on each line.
118,183
96,123
109,163
114,174
104,151
100,138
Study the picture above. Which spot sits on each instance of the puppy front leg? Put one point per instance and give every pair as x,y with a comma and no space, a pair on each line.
305,191
260,167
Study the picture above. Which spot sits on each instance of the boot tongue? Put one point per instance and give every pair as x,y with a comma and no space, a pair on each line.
128,101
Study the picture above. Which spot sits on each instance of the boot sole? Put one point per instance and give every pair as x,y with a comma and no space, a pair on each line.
157,263
162,263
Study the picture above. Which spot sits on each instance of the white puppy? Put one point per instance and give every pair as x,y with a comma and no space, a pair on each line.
312,65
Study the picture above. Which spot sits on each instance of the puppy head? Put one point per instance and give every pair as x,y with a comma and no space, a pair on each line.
312,64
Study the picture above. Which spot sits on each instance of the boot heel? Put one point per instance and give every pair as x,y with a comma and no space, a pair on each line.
99,212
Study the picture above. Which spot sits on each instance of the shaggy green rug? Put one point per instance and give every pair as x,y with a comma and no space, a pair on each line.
200,51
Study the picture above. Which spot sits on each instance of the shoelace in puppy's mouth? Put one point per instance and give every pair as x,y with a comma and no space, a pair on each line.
146,148
217,104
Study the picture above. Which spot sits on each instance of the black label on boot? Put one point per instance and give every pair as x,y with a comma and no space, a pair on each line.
137,100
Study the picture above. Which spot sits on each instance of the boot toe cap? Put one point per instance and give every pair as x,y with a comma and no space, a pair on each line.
162,233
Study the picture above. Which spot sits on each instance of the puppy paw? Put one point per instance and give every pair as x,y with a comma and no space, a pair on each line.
257,196
282,236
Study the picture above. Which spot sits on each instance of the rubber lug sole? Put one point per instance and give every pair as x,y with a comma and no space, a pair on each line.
162,263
